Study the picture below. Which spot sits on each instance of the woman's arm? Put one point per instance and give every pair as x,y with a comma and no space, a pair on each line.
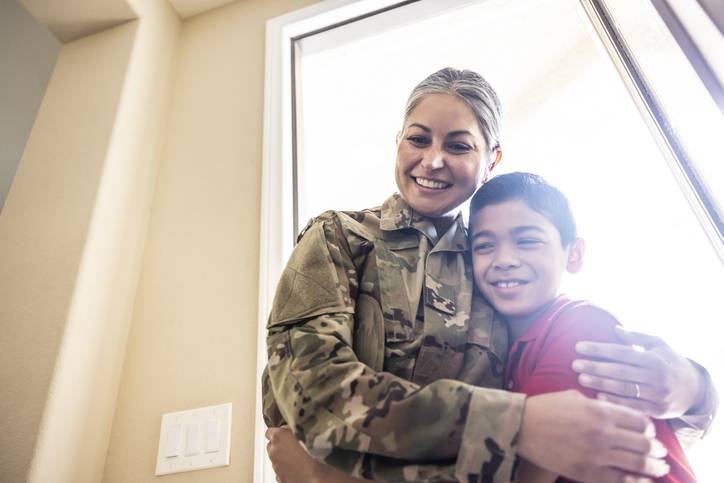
368,423
379,426
292,463
530,473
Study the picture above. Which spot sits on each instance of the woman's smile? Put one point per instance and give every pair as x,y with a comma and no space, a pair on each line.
441,156
431,183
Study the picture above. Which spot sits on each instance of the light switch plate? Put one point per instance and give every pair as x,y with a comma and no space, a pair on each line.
205,439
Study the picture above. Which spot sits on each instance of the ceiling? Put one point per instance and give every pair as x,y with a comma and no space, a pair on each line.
189,8
72,19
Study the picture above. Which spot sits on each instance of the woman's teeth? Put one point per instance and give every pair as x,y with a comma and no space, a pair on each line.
431,183
508,284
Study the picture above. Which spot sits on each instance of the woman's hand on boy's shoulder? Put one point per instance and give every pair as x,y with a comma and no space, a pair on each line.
650,377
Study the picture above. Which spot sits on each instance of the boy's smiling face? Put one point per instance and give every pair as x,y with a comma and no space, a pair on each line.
518,258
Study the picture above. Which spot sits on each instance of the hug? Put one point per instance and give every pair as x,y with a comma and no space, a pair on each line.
406,346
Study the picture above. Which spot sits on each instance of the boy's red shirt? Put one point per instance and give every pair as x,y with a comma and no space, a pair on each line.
540,362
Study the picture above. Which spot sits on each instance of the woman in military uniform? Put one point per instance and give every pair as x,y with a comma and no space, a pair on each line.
387,366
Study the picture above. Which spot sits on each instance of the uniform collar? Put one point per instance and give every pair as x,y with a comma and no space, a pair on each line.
396,214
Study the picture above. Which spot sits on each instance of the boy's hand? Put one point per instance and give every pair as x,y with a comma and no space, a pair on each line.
656,381
589,440
291,462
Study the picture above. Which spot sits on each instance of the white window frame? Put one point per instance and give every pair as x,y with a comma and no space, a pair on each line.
642,93
277,205
278,218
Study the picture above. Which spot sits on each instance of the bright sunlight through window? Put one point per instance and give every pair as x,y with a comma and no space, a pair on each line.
568,117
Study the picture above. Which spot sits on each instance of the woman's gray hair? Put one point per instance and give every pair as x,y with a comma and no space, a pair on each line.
472,89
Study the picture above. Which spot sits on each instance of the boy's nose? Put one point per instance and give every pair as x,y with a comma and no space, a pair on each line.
505,261
506,264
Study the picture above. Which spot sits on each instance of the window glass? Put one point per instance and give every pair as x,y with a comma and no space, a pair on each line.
567,116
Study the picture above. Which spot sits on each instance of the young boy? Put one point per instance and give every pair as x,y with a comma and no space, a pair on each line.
523,237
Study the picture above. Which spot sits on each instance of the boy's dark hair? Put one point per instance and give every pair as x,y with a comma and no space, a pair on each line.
535,192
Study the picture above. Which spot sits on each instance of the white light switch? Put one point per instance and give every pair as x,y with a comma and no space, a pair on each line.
195,439
212,429
172,441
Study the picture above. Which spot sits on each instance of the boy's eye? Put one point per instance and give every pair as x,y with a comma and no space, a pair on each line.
459,147
529,242
483,246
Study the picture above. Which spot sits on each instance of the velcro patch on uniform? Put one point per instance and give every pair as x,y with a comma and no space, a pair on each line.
439,296
309,285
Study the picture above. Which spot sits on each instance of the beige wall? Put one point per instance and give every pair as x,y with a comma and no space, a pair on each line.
71,240
43,229
129,247
82,399
27,57
193,338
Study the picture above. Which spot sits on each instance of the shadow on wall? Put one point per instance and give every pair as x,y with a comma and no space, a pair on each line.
27,59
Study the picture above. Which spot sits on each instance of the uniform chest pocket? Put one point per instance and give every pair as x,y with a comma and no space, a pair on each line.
401,272
369,333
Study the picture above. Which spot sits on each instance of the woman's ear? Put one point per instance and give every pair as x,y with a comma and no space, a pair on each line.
575,255
398,137
495,158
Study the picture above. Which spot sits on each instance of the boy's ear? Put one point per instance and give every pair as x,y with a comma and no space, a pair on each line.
575,255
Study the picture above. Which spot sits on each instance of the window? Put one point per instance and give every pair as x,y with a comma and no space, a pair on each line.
653,235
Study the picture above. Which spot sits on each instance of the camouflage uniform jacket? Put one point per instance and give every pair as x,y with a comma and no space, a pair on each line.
361,291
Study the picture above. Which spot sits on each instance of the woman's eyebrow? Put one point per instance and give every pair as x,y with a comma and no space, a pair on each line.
449,135
458,133
421,126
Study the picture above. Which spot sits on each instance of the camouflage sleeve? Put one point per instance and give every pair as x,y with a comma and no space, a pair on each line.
693,426
272,417
373,424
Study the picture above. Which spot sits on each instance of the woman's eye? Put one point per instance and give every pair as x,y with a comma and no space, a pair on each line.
418,140
459,147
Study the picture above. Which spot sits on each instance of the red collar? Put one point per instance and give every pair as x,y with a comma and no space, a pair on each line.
541,323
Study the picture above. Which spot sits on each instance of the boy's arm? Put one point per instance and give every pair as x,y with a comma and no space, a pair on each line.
553,371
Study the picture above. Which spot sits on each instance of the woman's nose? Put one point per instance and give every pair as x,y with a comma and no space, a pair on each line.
433,159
